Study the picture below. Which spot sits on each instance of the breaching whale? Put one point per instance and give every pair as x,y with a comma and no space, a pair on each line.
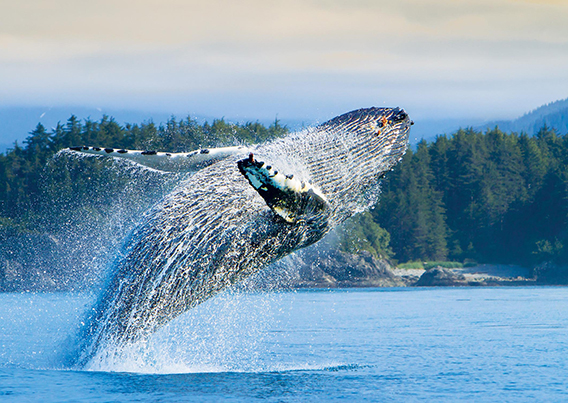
241,210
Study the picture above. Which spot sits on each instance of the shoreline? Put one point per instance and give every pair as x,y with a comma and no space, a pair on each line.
483,275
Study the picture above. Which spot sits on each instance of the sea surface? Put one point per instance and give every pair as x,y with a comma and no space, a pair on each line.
383,345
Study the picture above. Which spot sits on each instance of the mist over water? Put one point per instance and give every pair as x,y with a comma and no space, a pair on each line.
224,334
87,206
237,331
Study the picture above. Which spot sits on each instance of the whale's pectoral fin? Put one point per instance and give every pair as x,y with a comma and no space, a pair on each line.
291,199
163,161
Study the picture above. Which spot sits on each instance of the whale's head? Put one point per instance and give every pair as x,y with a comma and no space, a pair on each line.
337,165
353,153
375,126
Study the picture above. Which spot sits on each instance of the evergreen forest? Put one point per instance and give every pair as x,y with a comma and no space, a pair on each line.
27,171
473,196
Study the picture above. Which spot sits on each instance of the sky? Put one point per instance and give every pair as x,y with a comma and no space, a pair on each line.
292,59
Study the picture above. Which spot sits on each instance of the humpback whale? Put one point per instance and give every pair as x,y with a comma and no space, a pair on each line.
240,210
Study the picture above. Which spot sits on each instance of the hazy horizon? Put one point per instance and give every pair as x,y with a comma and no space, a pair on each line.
295,60
17,122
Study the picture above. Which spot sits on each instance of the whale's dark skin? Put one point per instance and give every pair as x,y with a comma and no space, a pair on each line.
214,229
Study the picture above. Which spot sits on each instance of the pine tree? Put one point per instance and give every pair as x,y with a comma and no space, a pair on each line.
412,210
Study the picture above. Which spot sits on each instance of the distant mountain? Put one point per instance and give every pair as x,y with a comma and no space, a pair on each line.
554,114
428,129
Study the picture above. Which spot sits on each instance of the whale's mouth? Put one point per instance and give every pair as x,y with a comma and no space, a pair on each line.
401,115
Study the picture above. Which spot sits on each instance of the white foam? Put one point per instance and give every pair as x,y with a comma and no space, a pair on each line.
224,334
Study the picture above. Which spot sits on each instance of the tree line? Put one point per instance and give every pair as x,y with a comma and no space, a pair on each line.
28,173
62,216
490,197
472,196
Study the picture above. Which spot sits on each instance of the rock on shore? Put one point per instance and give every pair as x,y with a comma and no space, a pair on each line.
438,276
339,269
481,275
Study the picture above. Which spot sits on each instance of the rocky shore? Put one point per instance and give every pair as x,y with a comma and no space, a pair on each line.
36,263
339,270
335,269
482,275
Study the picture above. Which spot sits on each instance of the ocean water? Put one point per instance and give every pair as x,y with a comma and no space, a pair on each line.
384,345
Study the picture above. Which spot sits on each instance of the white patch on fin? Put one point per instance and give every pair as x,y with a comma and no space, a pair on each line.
287,196
171,162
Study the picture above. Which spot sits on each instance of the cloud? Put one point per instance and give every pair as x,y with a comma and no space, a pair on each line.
164,52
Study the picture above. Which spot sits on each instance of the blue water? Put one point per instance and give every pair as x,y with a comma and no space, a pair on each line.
466,344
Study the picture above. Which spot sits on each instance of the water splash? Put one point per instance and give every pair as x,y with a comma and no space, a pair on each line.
90,204
225,334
